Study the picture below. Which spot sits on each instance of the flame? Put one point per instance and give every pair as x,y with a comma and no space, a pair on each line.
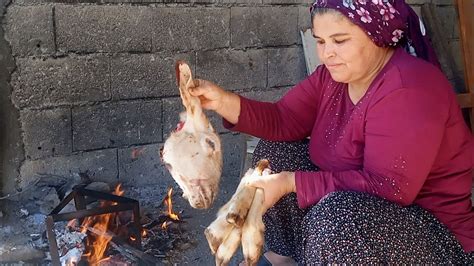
97,245
169,203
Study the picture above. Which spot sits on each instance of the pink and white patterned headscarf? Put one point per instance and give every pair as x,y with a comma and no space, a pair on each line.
387,23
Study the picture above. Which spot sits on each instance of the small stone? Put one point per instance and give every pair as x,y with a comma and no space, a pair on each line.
24,212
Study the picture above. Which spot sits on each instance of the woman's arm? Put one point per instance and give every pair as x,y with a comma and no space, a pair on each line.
403,133
291,118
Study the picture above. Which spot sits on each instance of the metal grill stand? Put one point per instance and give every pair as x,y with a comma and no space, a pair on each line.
79,194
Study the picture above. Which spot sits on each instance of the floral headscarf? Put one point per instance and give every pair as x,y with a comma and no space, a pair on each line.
387,23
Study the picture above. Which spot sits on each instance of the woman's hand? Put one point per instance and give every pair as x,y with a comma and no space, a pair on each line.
213,97
275,186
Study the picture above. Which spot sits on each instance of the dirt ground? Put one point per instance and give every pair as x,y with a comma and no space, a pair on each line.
24,233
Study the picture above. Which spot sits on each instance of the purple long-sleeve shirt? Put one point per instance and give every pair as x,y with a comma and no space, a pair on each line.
405,140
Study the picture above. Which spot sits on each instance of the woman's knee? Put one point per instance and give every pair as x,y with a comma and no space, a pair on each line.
336,209
284,156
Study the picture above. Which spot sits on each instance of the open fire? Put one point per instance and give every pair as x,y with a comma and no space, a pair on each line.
113,227
168,202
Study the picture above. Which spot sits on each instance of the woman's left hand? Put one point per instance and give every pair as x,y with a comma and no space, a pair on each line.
275,186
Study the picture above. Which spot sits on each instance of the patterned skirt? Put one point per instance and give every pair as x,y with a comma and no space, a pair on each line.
351,227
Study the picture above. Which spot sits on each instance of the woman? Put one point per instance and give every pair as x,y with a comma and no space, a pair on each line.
393,151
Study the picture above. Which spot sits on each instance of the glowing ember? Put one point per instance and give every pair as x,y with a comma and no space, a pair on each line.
169,204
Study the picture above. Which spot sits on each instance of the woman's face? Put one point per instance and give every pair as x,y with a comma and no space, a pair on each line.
348,53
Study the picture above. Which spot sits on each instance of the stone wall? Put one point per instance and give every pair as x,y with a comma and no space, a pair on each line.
94,84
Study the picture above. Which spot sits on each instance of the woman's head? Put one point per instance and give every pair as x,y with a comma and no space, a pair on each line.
346,50
386,23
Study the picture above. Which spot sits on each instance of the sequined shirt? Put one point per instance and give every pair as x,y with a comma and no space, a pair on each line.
405,140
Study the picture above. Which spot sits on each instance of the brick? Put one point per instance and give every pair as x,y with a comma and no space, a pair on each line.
141,165
286,66
272,95
233,69
172,107
99,165
264,26
31,36
116,124
185,29
46,132
103,28
145,75
53,82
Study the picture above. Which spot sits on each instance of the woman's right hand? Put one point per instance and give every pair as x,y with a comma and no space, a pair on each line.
210,94
213,97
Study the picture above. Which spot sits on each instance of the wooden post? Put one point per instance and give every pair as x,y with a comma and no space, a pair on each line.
466,28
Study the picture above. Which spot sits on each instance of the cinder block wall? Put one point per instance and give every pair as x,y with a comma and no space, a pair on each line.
94,83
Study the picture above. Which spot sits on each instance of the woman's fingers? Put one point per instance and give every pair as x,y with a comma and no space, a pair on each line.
199,88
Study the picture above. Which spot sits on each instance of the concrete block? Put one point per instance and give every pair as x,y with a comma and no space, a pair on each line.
455,50
61,81
449,22
190,1
172,107
417,10
132,1
286,66
232,69
272,95
288,2
250,2
103,28
234,148
191,28
264,26
29,29
145,75
417,2
442,2
116,124
141,166
304,19
99,165
46,132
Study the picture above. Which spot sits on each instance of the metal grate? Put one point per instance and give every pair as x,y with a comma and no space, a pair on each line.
79,195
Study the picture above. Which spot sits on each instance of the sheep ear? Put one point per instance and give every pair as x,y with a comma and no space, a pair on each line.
210,144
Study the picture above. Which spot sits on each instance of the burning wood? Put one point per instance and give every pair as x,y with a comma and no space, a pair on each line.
97,245
103,237
192,153
240,221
